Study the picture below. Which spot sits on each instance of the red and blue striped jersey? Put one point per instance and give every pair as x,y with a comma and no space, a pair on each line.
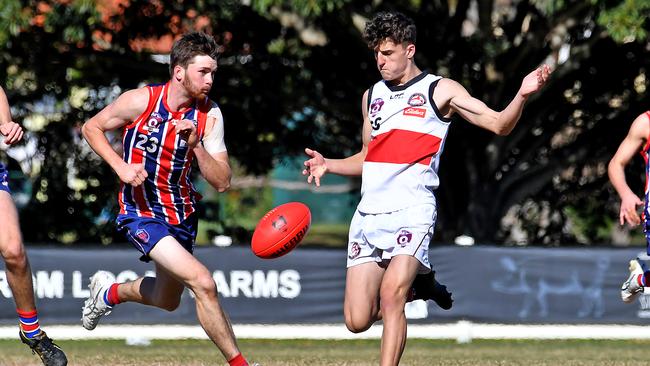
151,139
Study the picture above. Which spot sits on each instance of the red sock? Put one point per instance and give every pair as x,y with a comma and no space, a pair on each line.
238,360
111,295
29,322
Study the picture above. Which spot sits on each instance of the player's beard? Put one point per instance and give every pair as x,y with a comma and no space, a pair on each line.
194,91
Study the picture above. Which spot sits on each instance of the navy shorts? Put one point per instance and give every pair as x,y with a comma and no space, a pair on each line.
4,179
145,232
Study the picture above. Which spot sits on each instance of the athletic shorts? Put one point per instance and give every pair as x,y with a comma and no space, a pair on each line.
4,179
380,237
145,232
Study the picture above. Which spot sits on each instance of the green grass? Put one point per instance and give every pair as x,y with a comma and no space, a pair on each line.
330,235
345,352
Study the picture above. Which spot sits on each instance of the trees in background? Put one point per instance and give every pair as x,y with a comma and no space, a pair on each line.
292,74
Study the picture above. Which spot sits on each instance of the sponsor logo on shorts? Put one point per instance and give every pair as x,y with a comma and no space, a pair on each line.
404,237
143,235
415,112
355,250
417,99
375,106
279,223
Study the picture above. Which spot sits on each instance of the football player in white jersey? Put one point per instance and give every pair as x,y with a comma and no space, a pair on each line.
405,121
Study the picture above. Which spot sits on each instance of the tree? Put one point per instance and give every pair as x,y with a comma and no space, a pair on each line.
292,74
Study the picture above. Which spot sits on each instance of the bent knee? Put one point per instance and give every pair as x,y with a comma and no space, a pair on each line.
203,285
358,322
14,254
356,326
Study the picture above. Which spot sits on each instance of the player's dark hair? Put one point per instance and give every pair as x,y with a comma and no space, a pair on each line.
392,25
190,45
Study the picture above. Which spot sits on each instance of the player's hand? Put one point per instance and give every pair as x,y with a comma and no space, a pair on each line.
315,167
187,131
12,132
534,81
628,212
133,174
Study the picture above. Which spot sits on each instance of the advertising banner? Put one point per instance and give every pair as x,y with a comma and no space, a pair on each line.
489,284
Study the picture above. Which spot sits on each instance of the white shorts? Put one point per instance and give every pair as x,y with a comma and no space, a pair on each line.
380,237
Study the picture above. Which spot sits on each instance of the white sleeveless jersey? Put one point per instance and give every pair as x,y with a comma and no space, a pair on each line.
407,138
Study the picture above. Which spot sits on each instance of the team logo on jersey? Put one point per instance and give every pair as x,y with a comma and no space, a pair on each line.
404,237
143,235
155,120
279,223
417,100
375,106
415,112
355,250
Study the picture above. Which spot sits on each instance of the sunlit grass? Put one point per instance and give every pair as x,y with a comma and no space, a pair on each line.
419,352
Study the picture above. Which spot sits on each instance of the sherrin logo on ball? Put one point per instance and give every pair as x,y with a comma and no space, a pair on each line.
280,230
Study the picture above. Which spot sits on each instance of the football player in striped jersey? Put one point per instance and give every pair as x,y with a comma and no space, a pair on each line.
165,127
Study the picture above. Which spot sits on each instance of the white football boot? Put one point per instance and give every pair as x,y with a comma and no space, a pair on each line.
95,307
631,288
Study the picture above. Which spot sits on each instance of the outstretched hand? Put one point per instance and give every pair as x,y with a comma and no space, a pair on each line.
12,132
315,167
534,81
628,212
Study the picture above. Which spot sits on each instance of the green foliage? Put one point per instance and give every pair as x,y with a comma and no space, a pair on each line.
625,22
61,63
12,19
306,8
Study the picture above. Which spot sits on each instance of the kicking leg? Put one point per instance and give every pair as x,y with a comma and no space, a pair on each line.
426,287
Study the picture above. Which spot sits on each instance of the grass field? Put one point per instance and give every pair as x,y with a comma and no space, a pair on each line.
358,352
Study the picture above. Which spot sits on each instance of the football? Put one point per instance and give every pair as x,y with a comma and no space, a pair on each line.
280,230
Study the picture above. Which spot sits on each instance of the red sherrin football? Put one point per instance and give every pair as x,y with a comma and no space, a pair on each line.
280,230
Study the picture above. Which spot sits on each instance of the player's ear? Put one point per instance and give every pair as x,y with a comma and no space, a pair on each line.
410,50
179,72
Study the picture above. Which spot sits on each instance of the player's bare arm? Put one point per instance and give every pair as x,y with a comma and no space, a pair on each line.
317,165
455,99
124,110
11,130
212,156
636,137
